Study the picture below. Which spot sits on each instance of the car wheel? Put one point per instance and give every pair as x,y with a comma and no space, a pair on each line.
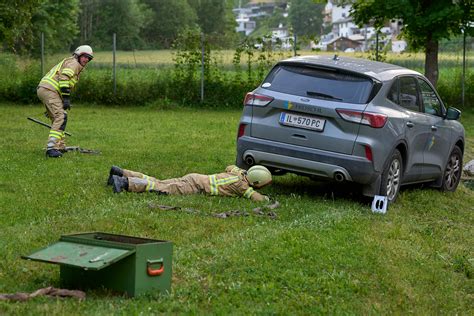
452,172
392,177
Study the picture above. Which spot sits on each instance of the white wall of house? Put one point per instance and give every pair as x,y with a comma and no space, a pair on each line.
399,46
244,23
340,12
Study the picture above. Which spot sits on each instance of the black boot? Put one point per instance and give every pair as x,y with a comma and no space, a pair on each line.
119,184
114,171
53,153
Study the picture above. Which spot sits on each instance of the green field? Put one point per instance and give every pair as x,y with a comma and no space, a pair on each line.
165,57
325,253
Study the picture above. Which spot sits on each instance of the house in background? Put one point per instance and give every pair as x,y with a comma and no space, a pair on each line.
282,35
398,46
344,29
344,34
343,44
247,15
244,24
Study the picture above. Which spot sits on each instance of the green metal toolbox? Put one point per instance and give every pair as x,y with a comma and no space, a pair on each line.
121,263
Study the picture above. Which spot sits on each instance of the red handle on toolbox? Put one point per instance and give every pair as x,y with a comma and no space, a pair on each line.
155,272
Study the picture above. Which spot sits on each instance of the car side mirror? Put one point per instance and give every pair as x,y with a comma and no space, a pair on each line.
453,114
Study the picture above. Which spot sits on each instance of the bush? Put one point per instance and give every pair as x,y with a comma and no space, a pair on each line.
18,84
450,88
182,84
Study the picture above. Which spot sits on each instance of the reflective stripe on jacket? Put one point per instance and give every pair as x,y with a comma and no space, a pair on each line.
64,75
215,183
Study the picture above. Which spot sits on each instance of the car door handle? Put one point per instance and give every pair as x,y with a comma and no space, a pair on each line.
434,128
410,124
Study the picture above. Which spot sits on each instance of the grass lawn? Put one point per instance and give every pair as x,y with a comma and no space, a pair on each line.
325,253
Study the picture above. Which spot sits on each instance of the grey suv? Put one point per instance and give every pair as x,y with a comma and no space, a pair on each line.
346,119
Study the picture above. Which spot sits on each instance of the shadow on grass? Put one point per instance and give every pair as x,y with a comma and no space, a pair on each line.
317,189
469,184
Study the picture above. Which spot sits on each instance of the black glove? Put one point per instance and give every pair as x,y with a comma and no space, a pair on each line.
66,103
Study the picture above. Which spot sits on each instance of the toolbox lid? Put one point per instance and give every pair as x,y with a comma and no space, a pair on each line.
85,256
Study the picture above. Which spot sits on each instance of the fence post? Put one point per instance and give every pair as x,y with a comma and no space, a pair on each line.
377,45
113,62
202,67
42,53
463,79
294,44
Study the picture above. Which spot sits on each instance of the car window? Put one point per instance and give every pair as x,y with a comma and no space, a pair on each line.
393,93
408,94
319,83
431,103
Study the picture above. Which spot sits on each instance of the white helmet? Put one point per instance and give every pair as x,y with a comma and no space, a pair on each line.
259,176
84,50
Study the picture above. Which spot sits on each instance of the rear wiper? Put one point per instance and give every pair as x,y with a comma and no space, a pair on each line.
322,95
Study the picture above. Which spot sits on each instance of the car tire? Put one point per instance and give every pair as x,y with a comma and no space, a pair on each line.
452,171
392,177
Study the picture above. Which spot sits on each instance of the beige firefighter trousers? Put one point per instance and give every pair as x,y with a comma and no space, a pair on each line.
189,184
54,106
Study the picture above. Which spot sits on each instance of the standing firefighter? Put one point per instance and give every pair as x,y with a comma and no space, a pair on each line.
233,182
54,91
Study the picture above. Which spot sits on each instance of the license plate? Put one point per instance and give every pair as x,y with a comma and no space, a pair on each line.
302,121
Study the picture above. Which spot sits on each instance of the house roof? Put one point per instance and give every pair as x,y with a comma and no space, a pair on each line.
262,1
349,19
356,37
343,38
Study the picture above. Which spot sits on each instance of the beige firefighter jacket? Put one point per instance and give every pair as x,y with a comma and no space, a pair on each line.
64,75
232,182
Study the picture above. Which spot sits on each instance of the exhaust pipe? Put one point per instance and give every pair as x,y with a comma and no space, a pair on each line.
249,160
339,176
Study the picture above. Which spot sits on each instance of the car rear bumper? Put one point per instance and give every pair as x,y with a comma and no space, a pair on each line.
304,160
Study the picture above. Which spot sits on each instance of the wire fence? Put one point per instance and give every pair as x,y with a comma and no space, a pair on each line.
201,67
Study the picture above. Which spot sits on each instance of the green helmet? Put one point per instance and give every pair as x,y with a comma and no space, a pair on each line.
259,176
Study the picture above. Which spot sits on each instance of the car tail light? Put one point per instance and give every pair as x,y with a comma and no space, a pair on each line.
368,152
375,120
241,131
254,99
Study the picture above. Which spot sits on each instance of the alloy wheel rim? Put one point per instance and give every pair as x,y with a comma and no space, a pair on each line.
393,179
452,172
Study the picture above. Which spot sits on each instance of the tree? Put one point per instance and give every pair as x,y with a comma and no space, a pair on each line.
275,19
57,20
15,23
425,22
169,18
306,17
215,18
23,21
99,20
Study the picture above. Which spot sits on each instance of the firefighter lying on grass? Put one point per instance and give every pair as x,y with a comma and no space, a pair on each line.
233,182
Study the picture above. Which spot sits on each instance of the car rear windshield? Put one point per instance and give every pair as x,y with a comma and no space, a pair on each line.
319,83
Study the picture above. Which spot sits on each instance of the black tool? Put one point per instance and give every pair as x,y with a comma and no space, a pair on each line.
44,124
